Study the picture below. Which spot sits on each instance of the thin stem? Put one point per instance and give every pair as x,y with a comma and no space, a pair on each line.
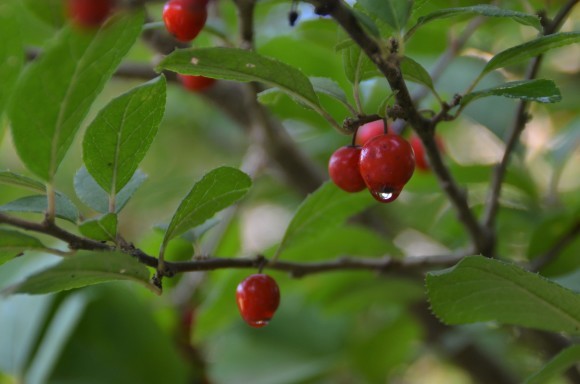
112,202
492,206
454,47
557,248
51,201
356,87
153,25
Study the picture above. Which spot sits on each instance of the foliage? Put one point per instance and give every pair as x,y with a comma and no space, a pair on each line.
99,147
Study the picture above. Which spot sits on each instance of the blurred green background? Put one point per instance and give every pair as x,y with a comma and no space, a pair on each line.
343,327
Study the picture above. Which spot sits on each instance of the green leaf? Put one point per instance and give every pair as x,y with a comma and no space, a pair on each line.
357,65
271,96
327,208
479,289
240,65
321,85
121,134
58,332
346,240
415,72
366,22
11,49
556,366
85,268
125,336
91,193
393,12
103,228
12,243
51,12
56,91
217,190
195,234
418,4
526,51
482,10
540,90
11,178
65,209
330,88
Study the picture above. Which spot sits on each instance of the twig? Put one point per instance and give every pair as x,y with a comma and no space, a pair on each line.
296,269
51,229
383,265
454,47
556,249
246,22
521,119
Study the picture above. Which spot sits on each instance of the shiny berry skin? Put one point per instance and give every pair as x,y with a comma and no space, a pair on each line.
184,19
343,168
196,83
386,164
258,297
89,13
420,155
369,130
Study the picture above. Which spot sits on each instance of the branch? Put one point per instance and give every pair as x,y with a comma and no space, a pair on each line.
521,119
388,63
296,269
556,249
383,265
51,229
246,19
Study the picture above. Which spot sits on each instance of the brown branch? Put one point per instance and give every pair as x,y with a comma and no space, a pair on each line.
387,61
295,269
246,19
557,247
521,119
51,229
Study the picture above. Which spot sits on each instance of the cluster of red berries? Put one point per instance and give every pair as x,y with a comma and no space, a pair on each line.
378,160
258,297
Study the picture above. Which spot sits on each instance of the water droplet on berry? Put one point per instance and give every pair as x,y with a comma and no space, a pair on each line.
258,323
386,195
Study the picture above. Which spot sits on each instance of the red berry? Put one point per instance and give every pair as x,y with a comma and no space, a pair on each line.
89,13
387,163
369,130
196,83
420,154
184,19
258,297
343,169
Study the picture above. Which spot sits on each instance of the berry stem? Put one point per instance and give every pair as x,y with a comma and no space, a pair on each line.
50,202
